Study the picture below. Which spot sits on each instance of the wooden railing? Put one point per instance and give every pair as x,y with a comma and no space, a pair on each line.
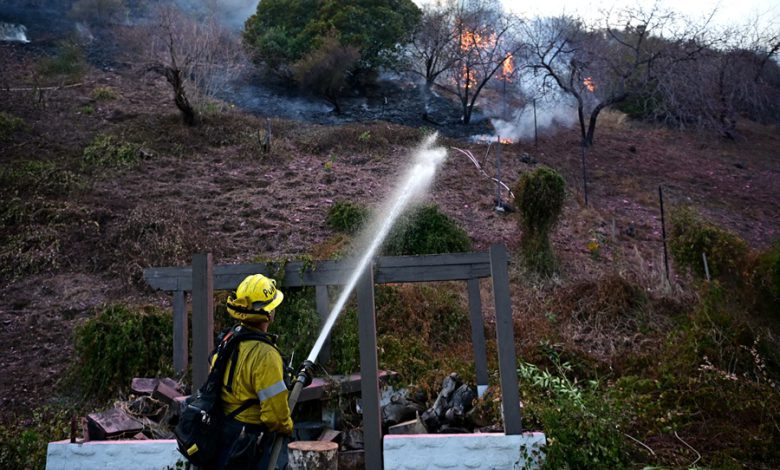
202,278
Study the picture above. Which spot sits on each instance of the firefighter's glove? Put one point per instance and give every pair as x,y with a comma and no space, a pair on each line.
305,373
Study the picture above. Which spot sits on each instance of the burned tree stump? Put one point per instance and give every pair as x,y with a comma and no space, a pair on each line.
312,455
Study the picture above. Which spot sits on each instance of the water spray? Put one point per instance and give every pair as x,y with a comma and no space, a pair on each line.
413,185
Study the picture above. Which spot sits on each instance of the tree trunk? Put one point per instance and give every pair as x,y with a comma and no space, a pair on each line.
173,76
313,455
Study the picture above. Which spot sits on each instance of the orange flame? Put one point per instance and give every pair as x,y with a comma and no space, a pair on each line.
505,141
589,84
508,68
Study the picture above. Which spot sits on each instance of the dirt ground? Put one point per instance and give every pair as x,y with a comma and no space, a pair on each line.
210,188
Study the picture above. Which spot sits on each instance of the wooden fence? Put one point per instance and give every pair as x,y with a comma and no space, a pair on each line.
202,278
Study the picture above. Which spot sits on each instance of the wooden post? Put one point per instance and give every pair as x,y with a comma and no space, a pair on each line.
507,362
536,132
706,266
312,455
181,333
369,363
202,317
498,173
323,309
478,335
663,231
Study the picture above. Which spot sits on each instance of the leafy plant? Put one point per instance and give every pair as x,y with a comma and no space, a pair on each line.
426,230
691,236
120,343
347,217
345,343
297,323
24,440
105,150
67,63
9,124
540,195
104,93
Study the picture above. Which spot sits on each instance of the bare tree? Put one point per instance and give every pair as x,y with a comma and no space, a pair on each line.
730,78
433,48
600,68
197,57
484,44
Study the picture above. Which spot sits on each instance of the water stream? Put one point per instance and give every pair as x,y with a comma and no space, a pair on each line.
412,186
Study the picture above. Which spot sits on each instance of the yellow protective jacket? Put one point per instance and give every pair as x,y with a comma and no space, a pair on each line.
258,373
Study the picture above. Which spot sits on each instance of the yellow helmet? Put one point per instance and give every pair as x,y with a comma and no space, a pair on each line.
255,297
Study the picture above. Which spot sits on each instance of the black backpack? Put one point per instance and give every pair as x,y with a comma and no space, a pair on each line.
200,423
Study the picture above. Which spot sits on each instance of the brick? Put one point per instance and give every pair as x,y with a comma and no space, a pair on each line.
111,424
165,393
142,386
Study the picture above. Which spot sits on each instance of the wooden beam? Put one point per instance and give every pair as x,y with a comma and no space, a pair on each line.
478,332
181,333
202,317
369,365
389,269
507,362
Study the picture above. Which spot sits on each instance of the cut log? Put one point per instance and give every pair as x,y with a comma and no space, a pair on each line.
312,455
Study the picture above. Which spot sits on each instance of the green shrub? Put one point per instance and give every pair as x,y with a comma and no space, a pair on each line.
8,125
104,93
345,343
768,274
120,343
690,236
347,217
105,150
24,440
41,177
67,63
539,195
297,323
426,230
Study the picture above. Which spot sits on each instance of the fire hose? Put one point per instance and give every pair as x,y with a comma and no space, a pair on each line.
303,379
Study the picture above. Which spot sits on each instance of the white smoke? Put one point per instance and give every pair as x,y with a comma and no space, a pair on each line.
550,115
13,32
231,13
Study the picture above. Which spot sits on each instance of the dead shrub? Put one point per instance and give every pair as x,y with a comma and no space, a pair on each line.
607,318
148,237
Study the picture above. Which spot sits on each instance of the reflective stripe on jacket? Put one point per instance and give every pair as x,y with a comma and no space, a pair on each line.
258,374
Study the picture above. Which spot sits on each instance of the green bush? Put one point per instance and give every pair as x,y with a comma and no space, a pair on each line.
8,125
67,63
347,217
691,235
104,93
105,150
120,343
345,343
580,424
426,230
768,274
297,323
539,195
24,441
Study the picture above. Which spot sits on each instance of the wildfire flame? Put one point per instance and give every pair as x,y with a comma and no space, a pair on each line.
505,141
508,68
473,41
589,84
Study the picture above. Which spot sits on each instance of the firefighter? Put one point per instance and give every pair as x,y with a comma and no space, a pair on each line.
255,372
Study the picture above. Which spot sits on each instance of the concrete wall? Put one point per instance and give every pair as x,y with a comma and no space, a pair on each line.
157,454
463,451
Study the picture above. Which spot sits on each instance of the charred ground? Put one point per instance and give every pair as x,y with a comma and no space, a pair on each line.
76,236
